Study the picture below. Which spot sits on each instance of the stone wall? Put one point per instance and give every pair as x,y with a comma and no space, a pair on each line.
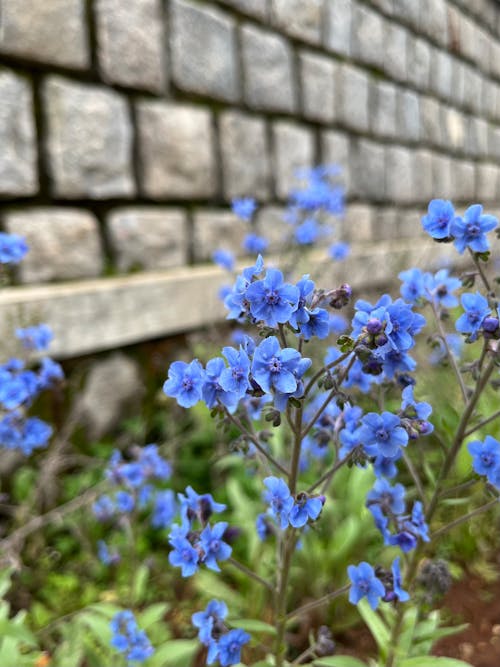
127,127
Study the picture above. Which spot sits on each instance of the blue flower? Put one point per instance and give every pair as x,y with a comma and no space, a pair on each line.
401,595
12,248
124,501
485,457
244,207
50,373
413,287
305,288
273,367
405,540
418,525
476,309
318,324
470,231
382,434
128,638
209,619
201,507
104,508
224,258
35,338
183,555
236,301
279,498
441,286
339,251
185,382
213,546
165,509
438,220
35,434
106,556
365,584
305,508
235,378
212,391
308,232
272,300
253,243
389,498
263,527
230,646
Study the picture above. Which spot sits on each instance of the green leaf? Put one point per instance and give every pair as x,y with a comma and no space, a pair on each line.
8,628
339,661
152,614
431,661
5,582
253,625
98,626
345,343
174,653
140,584
377,627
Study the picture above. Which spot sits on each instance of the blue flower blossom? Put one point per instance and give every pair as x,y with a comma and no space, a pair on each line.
317,325
470,231
365,584
273,367
382,434
164,510
418,525
476,309
37,337
224,259
185,382
389,498
244,207
441,286
255,244
305,508
196,506
308,232
413,285
12,248
485,457
437,222
213,546
183,555
212,390
271,299
401,595
280,500
235,378
339,251
209,620
230,645
106,556
129,639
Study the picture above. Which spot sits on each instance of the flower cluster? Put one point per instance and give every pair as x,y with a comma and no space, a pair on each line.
486,459
287,510
12,248
194,541
223,644
376,585
128,638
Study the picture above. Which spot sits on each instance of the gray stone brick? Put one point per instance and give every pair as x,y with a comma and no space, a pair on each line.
458,81
477,137
494,143
214,229
176,148
367,169
256,8
51,32
130,43
496,103
441,171
338,24
18,155
423,177
419,58
434,20
472,89
151,239
395,57
454,128
467,41
431,121
358,223
489,92
299,18
89,140
268,71
352,102
368,36
399,180
495,58
294,149
409,12
203,48
463,175
383,109
386,223
487,182
318,87
441,74
387,6
409,115
483,52
335,151
270,223
64,243
245,155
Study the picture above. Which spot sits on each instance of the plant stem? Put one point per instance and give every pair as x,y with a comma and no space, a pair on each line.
319,602
485,280
449,353
250,573
416,479
317,375
328,474
466,517
482,423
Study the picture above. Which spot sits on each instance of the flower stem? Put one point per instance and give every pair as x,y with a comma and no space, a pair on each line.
250,573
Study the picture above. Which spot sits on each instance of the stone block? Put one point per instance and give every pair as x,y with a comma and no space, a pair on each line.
352,102
476,143
367,169
148,238
495,58
203,51
89,141
386,223
368,36
268,71
441,74
130,43
338,22
434,20
257,8
245,155
430,121
423,176
386,6
383,109
318,87
487,182
270,223
51,32
64,243
496,103
299,18
467,41
463,176
472,89
294,149
408,116
441,170
399,180
458,82
176,148
395,58
214,229
358,223
409,12
335,150
419,55
18,155
454,128
494,143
